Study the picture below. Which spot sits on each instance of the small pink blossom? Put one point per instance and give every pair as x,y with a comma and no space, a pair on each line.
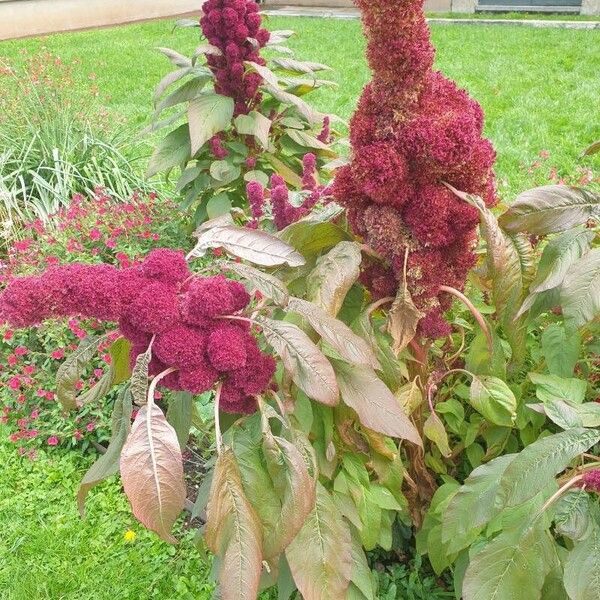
52,441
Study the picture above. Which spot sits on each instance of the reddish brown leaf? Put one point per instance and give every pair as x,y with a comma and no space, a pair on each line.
152,472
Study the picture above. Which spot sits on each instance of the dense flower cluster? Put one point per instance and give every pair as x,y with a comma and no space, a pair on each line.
414,130
158,304
234,27
284,210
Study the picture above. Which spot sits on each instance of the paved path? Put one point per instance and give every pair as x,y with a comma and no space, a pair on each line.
351,13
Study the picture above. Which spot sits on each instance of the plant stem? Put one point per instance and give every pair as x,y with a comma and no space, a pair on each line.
154,383
478,316
218,435
560,492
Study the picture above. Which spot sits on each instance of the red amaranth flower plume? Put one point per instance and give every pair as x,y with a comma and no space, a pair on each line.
158,305
413,131
591,480
234,27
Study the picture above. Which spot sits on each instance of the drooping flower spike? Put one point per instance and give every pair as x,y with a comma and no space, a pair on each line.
413,131
160,299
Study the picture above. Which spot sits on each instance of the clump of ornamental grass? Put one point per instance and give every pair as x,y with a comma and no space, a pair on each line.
243,118
414,131
56,142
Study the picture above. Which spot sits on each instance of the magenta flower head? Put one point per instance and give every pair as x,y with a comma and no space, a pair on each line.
209,297
181,346
414,131
155,310
227,347
165,265
256,199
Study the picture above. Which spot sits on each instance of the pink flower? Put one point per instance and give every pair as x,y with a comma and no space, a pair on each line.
35,413
78,435
90,426
8,335
12,360
14,383
29,369
58,354
95,235
52,441
21,350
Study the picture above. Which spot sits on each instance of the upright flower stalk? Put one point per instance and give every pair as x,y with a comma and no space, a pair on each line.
413,131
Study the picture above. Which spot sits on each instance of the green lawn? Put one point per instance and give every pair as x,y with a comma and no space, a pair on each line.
48,552
539,87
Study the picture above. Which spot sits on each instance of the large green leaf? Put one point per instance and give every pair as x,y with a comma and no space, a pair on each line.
374,403
108,463
551,209
208,115
561,349
493,399
552,387
320,557
473,506
535,467
559,254
309,368
580,290
312,238
172,151
582,569
333,276
233,532
185,93
511,567
572,517
119,352
179,416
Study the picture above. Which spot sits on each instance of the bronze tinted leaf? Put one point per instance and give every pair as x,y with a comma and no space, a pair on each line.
376,406
320,557
403,319
233,532
333,276
267,284
152,472
139,378
253,245
337,334
308,366
551,209
70,372
580,290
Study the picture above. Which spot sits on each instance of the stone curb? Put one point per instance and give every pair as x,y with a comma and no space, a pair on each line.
354,14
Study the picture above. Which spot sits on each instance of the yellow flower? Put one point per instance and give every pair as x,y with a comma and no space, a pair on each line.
129,536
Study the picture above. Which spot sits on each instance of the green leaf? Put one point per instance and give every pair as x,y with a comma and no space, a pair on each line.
259,176
302,107
305,139
374,403
511,567
434,430
313,238
208,114
560,349
108,463
187,92
361,577
582,569
119,352
535,467
309,368
224,172
179,416
572,517
172,151
71,371
559,255
168,80
297,66
98,390
233,532
551,387
494,400
580,290
320,557
255,124
333,276
473,506
551,209
218,205
177,59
